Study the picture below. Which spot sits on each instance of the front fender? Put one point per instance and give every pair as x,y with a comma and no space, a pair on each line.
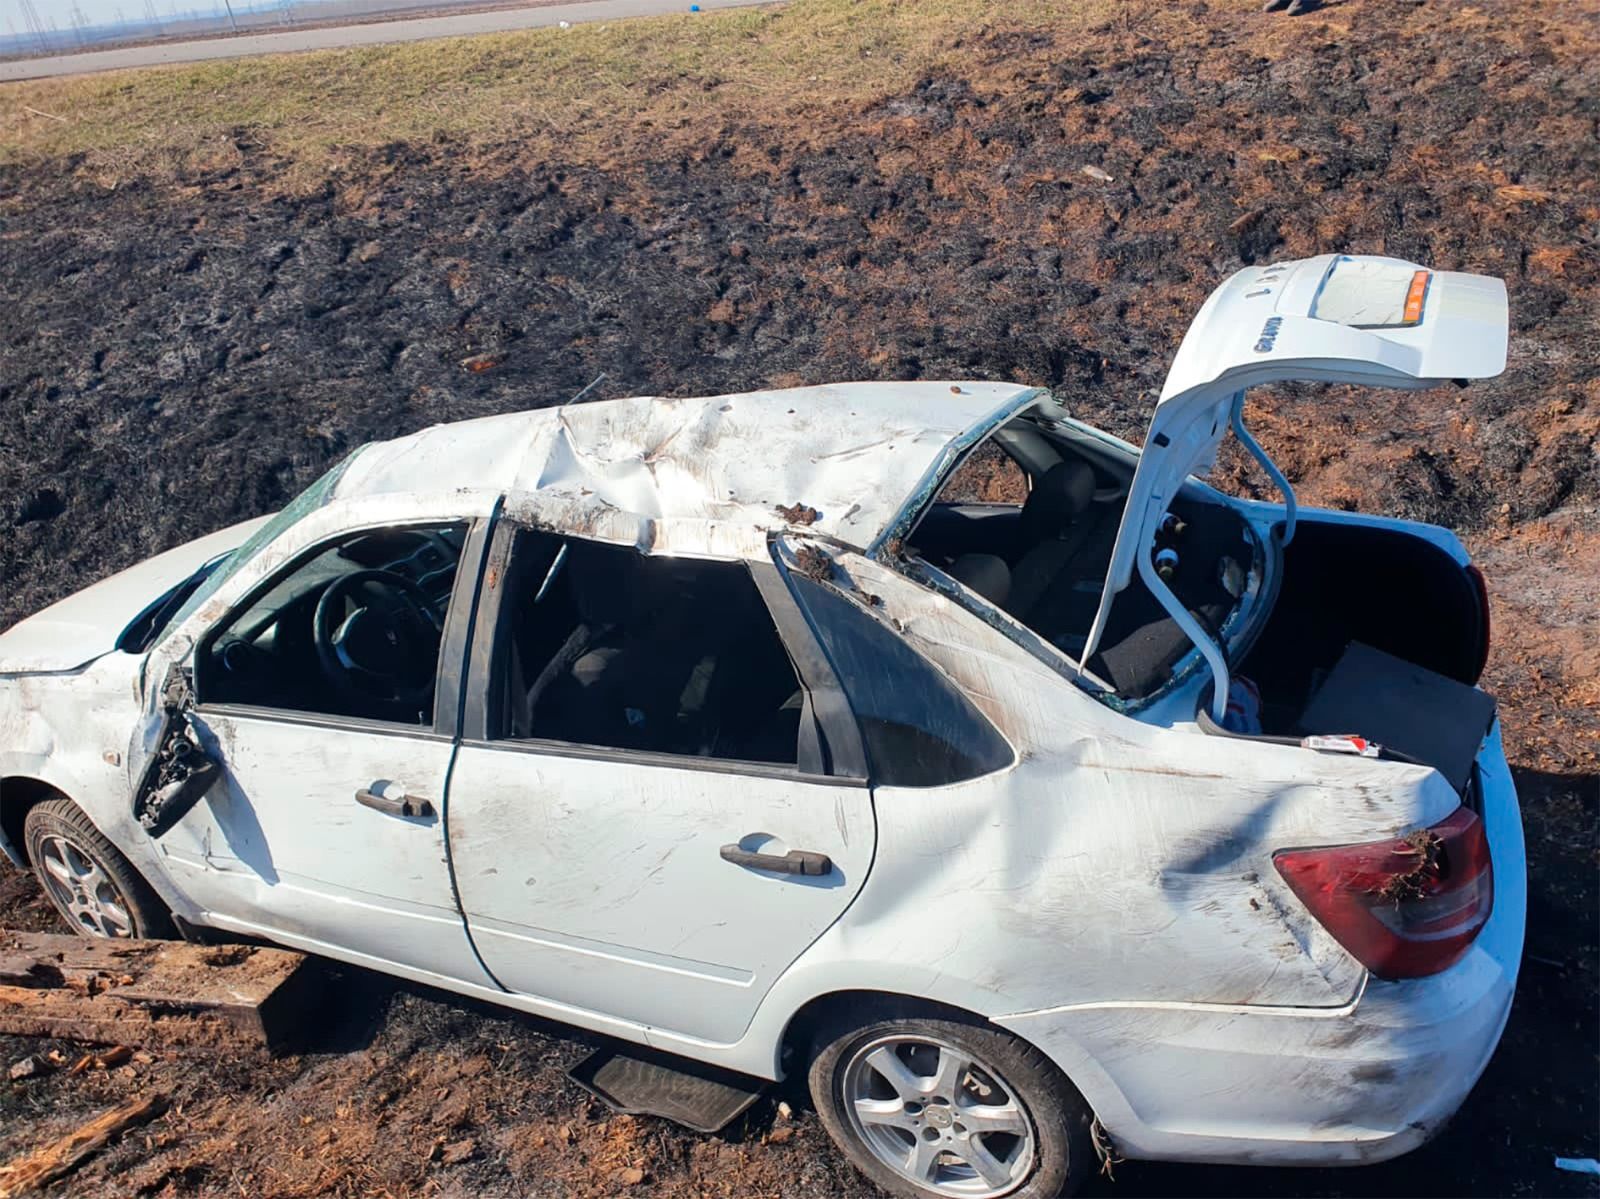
33,770
70,732
28,747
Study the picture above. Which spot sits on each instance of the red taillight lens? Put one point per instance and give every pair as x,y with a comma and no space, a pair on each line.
1482,585
1404,908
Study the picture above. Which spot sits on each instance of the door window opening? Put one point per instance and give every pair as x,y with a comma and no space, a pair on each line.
353,630
609,647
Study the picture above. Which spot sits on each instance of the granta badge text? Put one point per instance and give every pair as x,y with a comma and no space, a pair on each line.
1269,334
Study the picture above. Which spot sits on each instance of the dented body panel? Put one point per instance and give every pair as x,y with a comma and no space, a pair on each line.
1112,848
851,454
1359,1083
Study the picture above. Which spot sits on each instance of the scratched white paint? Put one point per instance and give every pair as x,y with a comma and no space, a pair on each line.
281,841
1359,1083
1109,896
1112,897
597,883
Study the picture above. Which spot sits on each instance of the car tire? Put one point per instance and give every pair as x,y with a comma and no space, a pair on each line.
906,1131
88,881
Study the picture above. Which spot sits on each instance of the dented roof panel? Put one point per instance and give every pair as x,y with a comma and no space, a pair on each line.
854,453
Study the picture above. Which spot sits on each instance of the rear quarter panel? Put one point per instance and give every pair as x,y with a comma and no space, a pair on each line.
1113,862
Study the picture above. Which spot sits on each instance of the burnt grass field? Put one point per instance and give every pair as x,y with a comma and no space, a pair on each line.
181,351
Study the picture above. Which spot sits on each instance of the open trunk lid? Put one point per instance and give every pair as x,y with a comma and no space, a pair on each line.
1336,318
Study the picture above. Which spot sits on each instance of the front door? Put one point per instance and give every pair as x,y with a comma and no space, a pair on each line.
644,828
317,692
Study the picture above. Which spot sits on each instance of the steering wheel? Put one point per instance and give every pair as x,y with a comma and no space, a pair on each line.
387,647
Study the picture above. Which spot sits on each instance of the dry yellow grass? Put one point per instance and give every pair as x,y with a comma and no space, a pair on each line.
572,87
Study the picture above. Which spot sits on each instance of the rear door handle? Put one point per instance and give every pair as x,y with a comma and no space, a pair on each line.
404,805
796,861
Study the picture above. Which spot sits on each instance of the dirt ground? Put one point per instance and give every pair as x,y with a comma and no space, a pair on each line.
179,354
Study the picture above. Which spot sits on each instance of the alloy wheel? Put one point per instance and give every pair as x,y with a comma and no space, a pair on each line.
81,889
937,1115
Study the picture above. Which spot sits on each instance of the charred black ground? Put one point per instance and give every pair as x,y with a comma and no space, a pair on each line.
183,352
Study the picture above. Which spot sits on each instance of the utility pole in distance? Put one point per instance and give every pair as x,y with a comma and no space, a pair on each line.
30,18
231,20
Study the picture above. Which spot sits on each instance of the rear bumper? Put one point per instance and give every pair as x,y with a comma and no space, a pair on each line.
1305,1086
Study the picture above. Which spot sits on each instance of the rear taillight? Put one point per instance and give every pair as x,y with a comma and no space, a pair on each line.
1404,908
1482,585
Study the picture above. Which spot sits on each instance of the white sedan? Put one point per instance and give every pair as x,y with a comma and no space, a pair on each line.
1128,817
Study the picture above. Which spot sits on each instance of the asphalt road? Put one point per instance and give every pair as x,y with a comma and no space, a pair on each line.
332,36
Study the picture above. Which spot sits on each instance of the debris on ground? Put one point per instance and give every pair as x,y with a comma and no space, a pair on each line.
60,1158
31,1066
114,1056
478,363
1246,221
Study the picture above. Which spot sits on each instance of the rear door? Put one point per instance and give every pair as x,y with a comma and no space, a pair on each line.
657,806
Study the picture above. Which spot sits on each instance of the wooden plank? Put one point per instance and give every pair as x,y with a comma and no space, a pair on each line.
60,1158
161,994
20,970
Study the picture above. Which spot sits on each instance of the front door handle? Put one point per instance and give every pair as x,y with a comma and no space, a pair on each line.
404,805
796,861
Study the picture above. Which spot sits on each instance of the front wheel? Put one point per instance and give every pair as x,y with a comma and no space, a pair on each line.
96,889
938,1108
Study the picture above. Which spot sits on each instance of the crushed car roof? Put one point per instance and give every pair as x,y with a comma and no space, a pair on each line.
855,453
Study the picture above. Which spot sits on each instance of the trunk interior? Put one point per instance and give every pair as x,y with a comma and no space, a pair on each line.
1378,587
1379,634
1374,632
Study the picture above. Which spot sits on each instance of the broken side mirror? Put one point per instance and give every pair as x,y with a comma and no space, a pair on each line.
180,771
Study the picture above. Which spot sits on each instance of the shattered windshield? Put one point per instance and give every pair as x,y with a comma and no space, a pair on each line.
307,501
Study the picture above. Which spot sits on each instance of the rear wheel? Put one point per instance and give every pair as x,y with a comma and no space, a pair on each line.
96,889
940,1108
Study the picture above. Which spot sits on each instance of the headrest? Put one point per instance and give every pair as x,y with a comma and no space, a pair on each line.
1058,498
986,574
